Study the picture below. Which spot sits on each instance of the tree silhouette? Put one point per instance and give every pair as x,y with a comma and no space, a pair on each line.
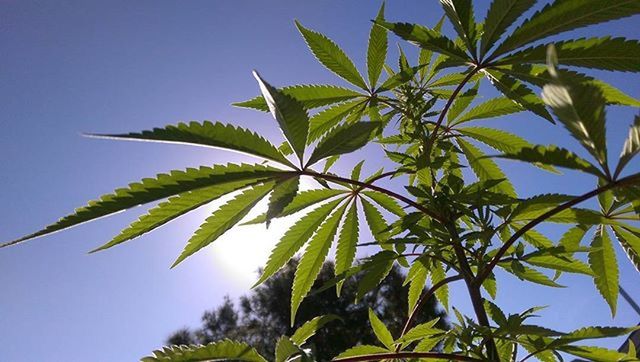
264,315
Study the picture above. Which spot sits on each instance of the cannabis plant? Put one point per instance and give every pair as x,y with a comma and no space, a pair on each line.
458,217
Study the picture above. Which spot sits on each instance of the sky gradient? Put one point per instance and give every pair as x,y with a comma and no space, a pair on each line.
70,67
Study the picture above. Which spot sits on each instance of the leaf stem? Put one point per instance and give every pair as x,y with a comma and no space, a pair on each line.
540,219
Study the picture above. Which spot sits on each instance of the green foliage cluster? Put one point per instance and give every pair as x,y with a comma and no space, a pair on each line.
446,226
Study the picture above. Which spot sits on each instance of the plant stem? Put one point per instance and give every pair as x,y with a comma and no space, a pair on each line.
396,355
423,300
404,199
540,219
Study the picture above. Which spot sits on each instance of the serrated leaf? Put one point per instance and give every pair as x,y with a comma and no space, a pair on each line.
295,238
347,243
572,238
172,208
501,15
561,16
344,139
331,56
630,244
380,330
606,53
554,156
419,274
518,92
355,173
460,14
361,350
438,274
485,168
596,354
154,189
403,76
221,350
312,259
581,109
631,146
300,202
495,107
291,115
377,49
310,95
591,333
386,201
309,328
495,313
285,348
461,102
223,219
426,38
602,259
375,269
377,223
322,122
283,193
563,263
210,134
529,274
420,331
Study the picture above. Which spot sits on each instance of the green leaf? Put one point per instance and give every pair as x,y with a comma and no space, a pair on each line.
386,201
419,272
421,331
312,259
460,14
322,122
344,139
501,15
285,348
495,107
561,16
361,350
561,263
631,146
438,274
596,354
310,95
221,350
518,92
282,195
224,219
581,109
208,134
172,208
573,237
377,50
602,260
606,53
380,330
310,328
529,274
591,333
495,313
461,102
154,189
347,242
630,244
398,79
331,56
486,169
290,114
295,238
538,75
426,38
377,224
375,269
300,202
355,173
554,156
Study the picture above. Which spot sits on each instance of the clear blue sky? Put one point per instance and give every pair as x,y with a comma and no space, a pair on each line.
70,66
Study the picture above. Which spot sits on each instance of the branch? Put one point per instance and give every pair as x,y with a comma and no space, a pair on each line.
540,219
404,199
423,299
382,356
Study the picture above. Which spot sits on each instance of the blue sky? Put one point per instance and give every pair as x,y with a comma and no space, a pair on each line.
70,67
